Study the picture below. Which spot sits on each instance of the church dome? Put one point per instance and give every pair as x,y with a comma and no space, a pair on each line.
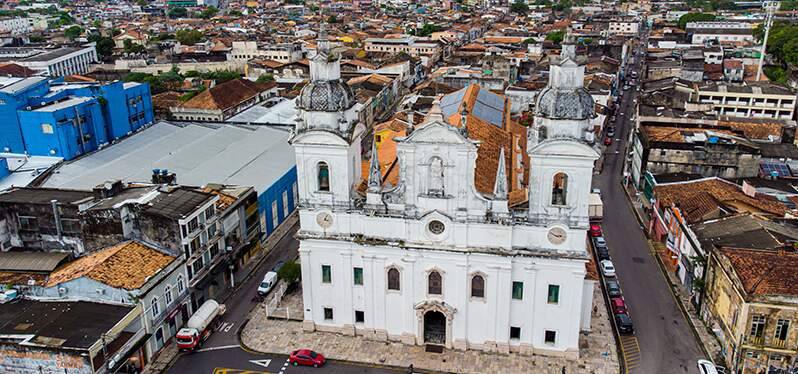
565,103
326,96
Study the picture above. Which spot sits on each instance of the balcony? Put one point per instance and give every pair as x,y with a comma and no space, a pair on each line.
778,343
756,340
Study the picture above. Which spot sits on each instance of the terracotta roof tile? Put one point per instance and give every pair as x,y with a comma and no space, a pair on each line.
126,265
227,95
725,192
764,272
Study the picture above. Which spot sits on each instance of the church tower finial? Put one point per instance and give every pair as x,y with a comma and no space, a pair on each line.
375,176
500,186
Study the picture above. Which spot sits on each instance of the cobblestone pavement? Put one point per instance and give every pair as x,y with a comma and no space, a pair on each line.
597,348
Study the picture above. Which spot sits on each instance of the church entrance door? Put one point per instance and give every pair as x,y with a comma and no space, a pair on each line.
434,328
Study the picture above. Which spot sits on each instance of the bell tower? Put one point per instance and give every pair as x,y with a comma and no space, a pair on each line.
327,135
561,145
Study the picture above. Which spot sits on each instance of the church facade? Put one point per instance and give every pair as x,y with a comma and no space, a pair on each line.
431,260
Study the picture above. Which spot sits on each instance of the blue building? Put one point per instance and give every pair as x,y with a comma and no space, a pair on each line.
55,118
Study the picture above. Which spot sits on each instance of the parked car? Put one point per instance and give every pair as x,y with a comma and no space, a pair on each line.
624,323
267,283
278,266
625,87
607,268
613,288
611,131
608,141
707,367
599,241
618,305
595,230
603,253
306,357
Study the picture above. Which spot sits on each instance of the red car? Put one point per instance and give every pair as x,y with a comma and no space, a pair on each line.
306,357
608,141
595,230
618,305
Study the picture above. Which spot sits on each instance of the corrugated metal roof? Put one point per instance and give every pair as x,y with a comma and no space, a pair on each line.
31,261
198,153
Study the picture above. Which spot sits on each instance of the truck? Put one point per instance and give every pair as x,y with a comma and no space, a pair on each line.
199,326
595,208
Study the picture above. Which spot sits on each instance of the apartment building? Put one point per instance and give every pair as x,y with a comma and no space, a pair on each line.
62,61
623,27
720,31
763,100
247,50
407,45
15,25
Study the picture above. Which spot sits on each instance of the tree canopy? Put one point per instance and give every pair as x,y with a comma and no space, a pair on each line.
556,36
188,37
105,45
290,272
694,17
178,12
73,32
519,7
208,12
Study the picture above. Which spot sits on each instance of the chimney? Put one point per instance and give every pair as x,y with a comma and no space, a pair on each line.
107,189
163,176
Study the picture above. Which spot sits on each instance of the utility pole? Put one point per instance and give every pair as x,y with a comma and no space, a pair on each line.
770,8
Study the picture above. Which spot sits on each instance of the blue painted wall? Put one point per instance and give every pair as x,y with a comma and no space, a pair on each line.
10,133
275,194
114,111
4,172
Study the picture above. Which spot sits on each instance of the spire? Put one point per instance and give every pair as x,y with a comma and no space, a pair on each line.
322,42
435,113
375,176
500,186
568,47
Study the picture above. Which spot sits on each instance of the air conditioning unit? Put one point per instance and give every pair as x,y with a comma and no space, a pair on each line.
62,290
100,291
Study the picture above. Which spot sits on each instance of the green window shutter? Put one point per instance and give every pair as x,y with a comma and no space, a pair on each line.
326,274
358,276
518,290
554,294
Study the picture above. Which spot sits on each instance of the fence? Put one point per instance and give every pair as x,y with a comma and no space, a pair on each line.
272,304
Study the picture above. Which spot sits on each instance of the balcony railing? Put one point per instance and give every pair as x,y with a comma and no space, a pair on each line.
778,343
756,340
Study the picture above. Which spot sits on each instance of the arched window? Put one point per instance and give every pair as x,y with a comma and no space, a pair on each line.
324,176
477,286
393,279
434,283
436,176
181,285
559,189
155,307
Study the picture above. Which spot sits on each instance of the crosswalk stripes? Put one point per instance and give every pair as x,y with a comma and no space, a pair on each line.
630,349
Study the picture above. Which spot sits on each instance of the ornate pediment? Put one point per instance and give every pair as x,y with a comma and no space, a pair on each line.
436,132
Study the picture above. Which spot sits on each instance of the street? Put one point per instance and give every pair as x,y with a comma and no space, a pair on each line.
665,340
222,354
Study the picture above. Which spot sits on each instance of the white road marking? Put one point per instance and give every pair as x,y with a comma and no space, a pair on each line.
264,363
218,348
221,327
285,366
227,329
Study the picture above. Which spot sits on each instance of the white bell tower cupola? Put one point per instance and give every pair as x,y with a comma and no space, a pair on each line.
560,145
327,135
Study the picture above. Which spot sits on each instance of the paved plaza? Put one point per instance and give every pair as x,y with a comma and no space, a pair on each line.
272,335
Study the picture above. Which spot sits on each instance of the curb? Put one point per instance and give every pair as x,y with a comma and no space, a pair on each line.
663,271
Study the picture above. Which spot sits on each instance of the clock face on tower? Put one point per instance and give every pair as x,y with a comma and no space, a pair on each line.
556,235
324,219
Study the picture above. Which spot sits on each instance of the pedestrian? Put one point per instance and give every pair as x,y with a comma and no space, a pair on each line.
410,369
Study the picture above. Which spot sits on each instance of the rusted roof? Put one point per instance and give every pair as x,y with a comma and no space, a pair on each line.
726,192
227,95
764,272
126,265
31,261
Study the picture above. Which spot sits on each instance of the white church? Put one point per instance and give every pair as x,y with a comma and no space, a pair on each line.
431,260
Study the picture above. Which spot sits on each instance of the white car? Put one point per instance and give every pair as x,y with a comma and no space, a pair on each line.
707,367
267,284
607,268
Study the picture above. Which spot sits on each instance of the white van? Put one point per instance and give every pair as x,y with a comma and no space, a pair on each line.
707,367
268,282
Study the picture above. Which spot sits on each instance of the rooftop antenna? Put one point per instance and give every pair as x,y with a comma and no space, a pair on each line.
770,7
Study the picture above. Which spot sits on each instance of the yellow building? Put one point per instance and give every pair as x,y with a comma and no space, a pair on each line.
752,306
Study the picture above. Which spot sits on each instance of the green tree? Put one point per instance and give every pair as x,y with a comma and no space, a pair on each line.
332,19
73,32
208,12
234,13
188,37
556,36
519,7
428,29
290,272
37,39
694,17
97,24
178,12
265,78
64,19
142,3
104,45
130,47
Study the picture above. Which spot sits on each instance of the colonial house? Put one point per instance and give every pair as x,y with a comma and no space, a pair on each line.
224,100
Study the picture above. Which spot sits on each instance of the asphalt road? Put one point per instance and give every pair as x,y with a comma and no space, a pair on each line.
666,343
222,354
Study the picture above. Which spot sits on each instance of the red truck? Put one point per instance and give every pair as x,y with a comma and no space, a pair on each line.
199,326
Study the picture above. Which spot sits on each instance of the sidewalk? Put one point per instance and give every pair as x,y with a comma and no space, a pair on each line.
708,342
168,353
597,348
